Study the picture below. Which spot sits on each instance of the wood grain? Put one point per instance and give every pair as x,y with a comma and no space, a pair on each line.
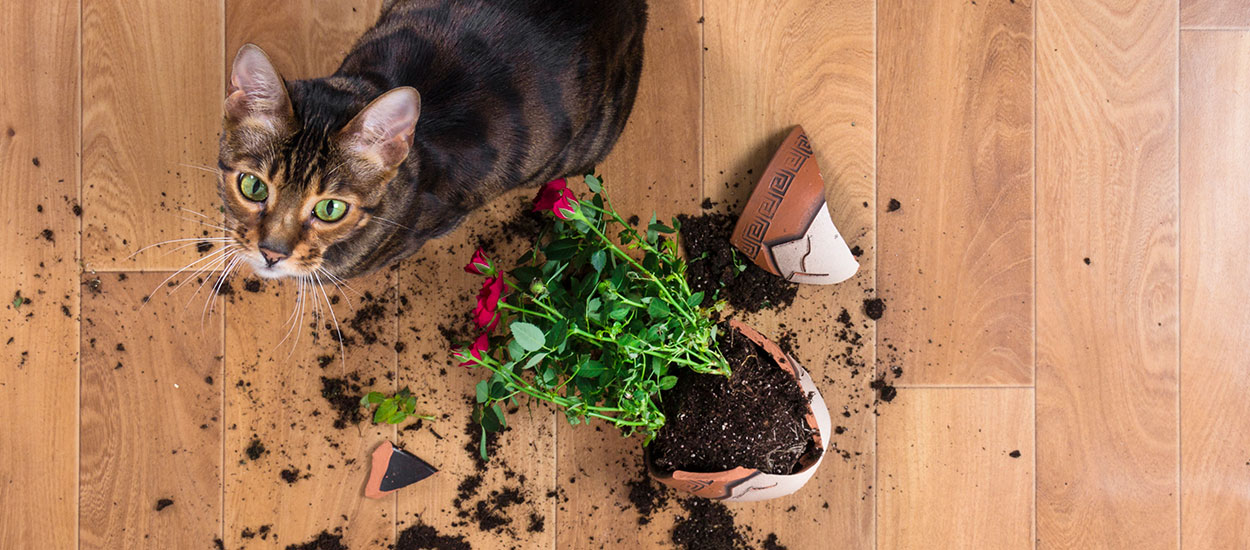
769,66
956,469
303,38
152,94
275,379
1215,14
39,184
151,416
1107,329
437,297
1215,325
956,151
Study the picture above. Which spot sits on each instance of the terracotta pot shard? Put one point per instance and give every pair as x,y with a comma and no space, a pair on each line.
786,228
748,484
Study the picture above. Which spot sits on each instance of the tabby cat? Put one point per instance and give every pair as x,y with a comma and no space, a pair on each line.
439,107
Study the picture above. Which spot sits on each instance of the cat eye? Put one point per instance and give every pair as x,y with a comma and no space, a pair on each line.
252,187
330,210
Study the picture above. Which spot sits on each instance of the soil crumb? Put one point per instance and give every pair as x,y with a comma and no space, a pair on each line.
203,246
324,541
255,450
164,503
1014,454
874,308
421,536
894,206
771,543
290,475
755,419
252,285
886,392
714,263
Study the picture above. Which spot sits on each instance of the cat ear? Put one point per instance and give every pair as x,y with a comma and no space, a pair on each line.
257,92
382,133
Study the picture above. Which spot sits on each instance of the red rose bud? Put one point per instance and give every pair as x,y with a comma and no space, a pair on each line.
480,264
476,351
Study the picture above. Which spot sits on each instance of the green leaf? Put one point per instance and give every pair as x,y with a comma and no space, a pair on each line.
668,382
536,359
591,369
515,350
695,300
17,300
498,390
384,412
598,260
661,228
528,336
558,334
658,309
594,183
482,390
562,249
620,312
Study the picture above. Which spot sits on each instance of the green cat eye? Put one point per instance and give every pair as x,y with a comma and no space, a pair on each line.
252,187
330,210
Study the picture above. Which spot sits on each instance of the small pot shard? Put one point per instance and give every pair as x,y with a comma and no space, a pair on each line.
393,469
786,228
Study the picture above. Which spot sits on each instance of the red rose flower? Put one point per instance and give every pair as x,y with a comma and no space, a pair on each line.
485,313
480,264
555,197
476,351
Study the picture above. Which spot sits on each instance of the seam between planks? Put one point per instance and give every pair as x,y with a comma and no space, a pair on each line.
1180,499
876,254
78,282
1036,474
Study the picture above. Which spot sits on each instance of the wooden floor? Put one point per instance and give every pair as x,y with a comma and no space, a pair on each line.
1065,281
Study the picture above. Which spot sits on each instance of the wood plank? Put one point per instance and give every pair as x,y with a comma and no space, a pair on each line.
956,151
595,463
276,379
1107,329
39,181
1215,233
152,96
956,469
150,416
305,39
437,296
769,66
1215,14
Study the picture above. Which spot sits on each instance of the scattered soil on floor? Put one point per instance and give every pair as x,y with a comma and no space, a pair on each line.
290,475
343,395
324,541
252,285
771,543
421,536
894,206
754,419
714,263
365,322
647,497
1012,454
537,523
707,525
164,503
203,246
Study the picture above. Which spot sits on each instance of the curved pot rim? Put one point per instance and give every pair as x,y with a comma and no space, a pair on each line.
720,485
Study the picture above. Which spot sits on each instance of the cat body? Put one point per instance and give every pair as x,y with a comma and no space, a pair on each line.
441,106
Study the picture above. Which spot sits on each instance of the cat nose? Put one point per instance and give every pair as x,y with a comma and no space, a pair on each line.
273,253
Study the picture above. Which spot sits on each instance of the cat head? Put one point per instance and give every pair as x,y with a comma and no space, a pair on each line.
300,179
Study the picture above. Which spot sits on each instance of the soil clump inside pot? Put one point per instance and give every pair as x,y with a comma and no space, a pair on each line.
756,418
713,263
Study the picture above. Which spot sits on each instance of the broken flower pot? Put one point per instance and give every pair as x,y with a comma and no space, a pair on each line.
786,228
742,484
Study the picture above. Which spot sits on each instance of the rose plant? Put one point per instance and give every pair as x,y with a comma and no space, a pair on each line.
595,319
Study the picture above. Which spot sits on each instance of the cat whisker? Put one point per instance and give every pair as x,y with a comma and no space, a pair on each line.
335,281
221,279
172,241
213,171
338,334
209,267
184,268
203,223
204,282
300,320
396,224
291,319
